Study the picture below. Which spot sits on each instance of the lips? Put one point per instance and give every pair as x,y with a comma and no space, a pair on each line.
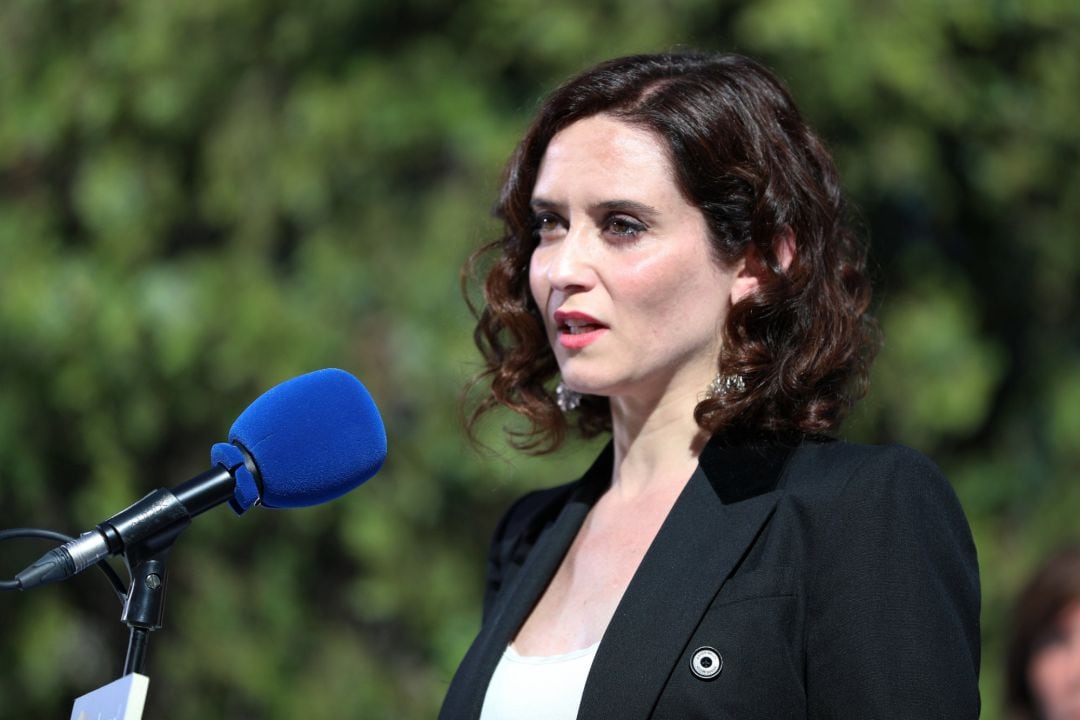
576,323
575,329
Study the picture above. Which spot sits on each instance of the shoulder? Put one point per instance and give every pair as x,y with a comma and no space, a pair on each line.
871,509
516,533
528,518
879,512
840,471
531,512
840,457
890,569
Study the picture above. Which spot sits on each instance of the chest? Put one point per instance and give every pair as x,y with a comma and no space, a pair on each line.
608,550
577,605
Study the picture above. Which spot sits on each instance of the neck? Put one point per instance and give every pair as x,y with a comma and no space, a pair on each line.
656,443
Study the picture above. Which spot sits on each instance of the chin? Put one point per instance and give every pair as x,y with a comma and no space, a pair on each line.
585,385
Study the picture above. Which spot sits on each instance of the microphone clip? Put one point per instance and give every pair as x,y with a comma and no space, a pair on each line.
145,605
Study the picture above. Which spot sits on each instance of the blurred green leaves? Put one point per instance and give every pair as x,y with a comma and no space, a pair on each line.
937,375
201,199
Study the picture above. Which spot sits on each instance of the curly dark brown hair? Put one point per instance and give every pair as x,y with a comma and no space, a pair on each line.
802,343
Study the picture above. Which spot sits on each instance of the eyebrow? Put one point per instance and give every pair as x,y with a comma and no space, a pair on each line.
539,203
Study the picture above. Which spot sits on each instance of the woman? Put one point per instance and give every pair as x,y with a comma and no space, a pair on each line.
675,250
1043,662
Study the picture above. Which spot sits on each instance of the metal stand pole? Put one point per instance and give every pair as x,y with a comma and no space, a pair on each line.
136,652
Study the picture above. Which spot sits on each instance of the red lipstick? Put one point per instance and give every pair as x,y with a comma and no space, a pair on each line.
575,330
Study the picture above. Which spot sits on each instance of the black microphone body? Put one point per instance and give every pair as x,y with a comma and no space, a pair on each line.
153,521
303,442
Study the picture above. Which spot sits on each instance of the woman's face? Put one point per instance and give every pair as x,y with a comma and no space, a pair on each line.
1054,669
632,298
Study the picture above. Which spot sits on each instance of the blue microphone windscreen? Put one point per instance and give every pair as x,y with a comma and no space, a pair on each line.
313,438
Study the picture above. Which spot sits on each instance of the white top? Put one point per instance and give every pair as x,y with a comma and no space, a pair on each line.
538,688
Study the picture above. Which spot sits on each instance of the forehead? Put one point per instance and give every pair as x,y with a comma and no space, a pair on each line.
602,155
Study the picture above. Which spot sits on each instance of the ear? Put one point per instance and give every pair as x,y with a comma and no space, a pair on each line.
752,269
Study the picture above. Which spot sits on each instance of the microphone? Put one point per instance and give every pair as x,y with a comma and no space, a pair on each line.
306,441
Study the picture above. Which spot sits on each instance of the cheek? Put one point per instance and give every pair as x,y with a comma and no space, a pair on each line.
674,288
653,291
538,284
1048,673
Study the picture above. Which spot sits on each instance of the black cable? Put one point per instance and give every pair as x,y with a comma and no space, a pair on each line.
110,573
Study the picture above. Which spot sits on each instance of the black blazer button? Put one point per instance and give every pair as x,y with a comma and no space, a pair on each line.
706,663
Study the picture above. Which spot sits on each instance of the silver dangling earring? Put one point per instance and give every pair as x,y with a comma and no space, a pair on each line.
566,398
726,384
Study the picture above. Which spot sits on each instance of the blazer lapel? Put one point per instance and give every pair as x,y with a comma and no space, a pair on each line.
712,524
525,589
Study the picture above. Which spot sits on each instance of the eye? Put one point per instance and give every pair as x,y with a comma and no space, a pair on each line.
623,227
546,224
1053,637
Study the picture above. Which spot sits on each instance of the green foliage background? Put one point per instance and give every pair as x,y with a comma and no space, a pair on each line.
201,199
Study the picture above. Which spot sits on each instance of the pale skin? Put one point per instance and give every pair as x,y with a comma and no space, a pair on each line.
1054,668
619,243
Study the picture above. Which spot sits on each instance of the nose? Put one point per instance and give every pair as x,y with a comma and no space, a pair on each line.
570,266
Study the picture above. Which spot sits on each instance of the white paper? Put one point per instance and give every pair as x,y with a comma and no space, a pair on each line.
121,699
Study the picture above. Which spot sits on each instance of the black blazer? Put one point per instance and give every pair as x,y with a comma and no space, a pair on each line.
833,580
